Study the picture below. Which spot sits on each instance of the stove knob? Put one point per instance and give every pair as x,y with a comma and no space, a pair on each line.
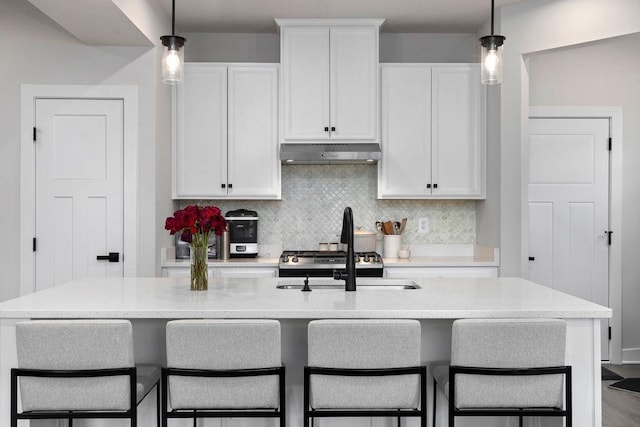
294,259
357,258
284,258
367,259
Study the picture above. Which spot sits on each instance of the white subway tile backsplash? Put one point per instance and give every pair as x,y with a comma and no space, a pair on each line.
314,197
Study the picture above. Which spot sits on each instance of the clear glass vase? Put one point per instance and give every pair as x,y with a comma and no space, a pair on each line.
199,273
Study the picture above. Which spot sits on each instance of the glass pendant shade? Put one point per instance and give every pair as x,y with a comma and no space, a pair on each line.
173,59
491,57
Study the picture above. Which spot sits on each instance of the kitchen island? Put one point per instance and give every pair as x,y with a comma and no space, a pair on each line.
150,302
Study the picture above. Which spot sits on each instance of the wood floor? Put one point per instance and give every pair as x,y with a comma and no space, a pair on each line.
620,408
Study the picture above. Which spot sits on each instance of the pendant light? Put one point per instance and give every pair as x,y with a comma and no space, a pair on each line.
172,55
491,66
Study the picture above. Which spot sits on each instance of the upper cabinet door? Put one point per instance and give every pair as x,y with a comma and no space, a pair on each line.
354,82
200,126
305,77
405,168
254,167
457,142
329,80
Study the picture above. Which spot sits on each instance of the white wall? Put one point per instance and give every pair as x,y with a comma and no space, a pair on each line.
605,73
38,51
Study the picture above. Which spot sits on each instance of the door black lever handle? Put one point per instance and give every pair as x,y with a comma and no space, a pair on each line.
112,257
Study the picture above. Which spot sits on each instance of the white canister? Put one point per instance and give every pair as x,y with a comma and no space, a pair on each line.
391,245
364,241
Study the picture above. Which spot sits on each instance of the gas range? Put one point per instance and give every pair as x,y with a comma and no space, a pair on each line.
323,263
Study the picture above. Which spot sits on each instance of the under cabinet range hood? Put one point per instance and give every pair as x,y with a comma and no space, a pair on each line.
321,154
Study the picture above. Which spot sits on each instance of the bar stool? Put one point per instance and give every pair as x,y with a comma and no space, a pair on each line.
364,368
222,369
506,367
70,369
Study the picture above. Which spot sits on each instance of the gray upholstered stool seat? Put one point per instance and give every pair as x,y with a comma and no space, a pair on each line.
368,367
83,366
220,368
505,366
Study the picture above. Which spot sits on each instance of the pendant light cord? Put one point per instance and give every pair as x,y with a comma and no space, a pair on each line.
173,18
492,8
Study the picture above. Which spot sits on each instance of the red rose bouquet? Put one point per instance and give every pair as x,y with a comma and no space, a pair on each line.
196,224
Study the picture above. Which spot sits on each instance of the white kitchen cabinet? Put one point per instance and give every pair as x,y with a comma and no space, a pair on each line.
329,80
432,132
448,272
226,132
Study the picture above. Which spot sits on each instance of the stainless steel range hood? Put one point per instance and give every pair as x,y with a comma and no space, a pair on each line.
321,154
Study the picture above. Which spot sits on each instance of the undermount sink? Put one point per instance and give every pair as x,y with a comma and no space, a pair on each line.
362,283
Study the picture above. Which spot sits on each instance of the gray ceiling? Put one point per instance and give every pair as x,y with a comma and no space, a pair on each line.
428,16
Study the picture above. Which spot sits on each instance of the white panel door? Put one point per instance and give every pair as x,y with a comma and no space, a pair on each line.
405,168
254,169
201,132
305,79
78,189
569,208
354,82
457,147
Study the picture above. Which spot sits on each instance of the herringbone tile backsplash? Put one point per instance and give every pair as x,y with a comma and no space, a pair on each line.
314,197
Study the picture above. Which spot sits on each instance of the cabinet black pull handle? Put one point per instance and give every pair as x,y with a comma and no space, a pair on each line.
428,185
112,257
326,128
230,185
333,128
223,185
435,185
532,258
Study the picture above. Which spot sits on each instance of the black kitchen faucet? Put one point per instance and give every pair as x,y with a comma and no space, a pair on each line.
349,275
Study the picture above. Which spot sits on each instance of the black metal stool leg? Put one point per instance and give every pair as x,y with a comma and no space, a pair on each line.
435,390
520,420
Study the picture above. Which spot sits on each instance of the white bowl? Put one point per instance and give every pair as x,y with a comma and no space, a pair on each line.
404,254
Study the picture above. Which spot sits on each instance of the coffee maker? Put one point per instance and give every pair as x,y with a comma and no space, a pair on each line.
243,233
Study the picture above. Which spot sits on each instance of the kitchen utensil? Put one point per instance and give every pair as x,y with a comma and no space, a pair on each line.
379,226
387,226
403,224
396,227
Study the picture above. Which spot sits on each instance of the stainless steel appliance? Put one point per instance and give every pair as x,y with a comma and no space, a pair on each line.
243,233
322,263
183,248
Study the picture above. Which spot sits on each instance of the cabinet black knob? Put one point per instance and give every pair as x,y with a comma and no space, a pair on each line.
435,185
223,185
532,258
428,185
333,128
230,185
326,128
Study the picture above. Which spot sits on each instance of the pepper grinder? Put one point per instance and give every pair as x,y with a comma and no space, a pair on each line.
224,240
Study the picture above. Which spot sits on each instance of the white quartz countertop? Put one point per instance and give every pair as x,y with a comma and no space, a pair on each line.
170,298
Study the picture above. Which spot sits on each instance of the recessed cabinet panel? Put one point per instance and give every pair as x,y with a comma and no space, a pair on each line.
406,135
253,132
201,132
305,77
354,82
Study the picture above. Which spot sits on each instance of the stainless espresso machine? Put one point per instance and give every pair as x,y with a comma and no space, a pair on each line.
243,233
